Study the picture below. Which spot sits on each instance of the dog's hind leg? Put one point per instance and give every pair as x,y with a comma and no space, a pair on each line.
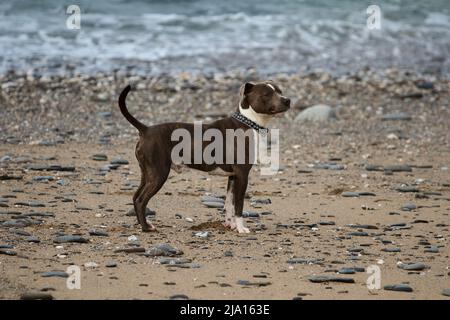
151,184
229,205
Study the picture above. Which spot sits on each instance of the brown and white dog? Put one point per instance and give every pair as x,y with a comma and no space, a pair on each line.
259,102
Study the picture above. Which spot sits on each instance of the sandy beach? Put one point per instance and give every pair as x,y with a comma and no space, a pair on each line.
369,188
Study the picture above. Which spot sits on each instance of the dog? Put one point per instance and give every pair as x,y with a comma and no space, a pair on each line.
258,104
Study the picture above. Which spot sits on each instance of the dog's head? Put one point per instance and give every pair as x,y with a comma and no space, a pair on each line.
264,98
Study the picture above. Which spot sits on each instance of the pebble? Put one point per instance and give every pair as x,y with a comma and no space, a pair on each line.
8,252
148,212
98,233
67,239
111,264
36,296
163,249
253,283
174,261
179,297
213,204
398,168
321,279
408,207
99,157
119,161
407,189
304,261
412,266
396,116
398,287
446,292
317,113
50,274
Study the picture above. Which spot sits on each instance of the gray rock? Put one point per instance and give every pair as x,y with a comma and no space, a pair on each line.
413,266
250,214
8,252
119,161
347,271
99,157
253,283
321,279
408,207
43,178
396,116
212,199
98,233
148,212
163,249
391,250
174,261
348,194
213,204
70,238
33,204
432,249
179,297
304,261
398,287
358,234
60,274
398,168
36,296
318,113
446,292
111,264
407,189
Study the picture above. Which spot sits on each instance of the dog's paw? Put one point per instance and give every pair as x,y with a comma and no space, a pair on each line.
243,230
239,221
148,227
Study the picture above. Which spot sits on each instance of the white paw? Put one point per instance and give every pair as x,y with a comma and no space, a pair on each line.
240,225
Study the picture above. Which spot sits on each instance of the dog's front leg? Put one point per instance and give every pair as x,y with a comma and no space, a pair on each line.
240,186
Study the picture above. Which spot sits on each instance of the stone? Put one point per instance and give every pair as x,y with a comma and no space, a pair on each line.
398,287
50,274
304,261
398,168
163,249
213,204
148,212
317,113
321,279
412,266
36,296
98,233
408,207
99,157
349,194
119,161
400,116
70,238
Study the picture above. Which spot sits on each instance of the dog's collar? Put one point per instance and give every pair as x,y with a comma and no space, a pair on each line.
243,119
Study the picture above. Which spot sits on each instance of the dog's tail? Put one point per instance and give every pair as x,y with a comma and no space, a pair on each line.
123,108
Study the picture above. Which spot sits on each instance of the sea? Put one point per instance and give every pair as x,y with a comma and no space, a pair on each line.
216,36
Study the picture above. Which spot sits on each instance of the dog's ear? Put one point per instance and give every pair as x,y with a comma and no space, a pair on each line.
246,88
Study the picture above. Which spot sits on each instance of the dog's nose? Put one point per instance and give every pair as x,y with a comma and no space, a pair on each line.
287,101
